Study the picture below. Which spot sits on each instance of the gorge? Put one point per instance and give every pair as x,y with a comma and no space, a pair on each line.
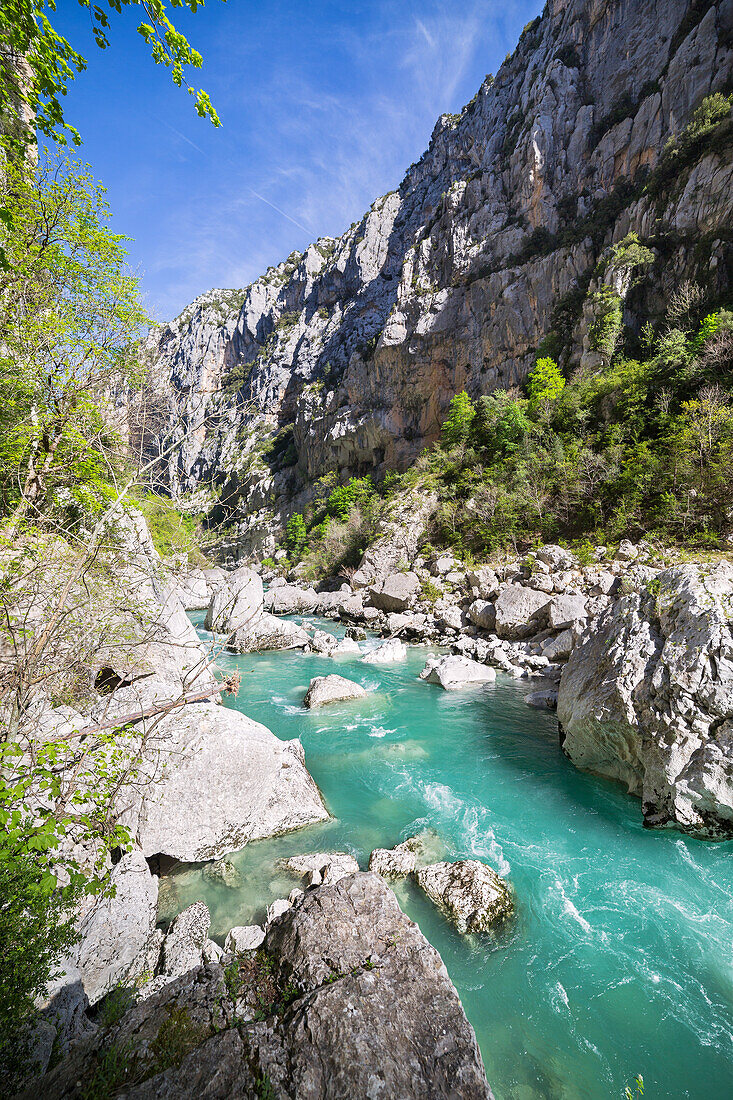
367,682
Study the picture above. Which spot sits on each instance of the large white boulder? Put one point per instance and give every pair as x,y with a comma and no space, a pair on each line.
396,592
456,672
193,589
288,599
211,780
267,631
236,602
647,698
520,611
387,653
331,689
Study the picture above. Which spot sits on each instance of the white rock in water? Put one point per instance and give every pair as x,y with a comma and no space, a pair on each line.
400,861
647,698
331,689
345,647
317,867
387,653
236,602
471,894
244,937
456,672
216,781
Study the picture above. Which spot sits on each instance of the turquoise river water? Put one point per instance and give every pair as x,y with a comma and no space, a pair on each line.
621,959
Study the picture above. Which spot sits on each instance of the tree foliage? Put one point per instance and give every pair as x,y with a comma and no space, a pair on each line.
37,64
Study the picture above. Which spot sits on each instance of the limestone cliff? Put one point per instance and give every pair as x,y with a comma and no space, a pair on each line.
344,358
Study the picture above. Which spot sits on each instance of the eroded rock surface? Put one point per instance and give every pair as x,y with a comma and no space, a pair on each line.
331,689
471,894
647,698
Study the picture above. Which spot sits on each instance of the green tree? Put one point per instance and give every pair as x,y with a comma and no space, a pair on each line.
70,323
37,63
544,383
457,424
357,491
295,533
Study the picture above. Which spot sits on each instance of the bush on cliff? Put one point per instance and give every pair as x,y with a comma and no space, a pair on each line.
637,445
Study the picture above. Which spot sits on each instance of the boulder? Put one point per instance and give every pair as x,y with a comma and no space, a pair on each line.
412,623
345,647
211,780
556,558
566,611
546,699
402,860
244,938
236,602
470,893
322,642
321,867
396,592
223,872
331,689
560,647
288,599
387,653
520,611
627,551
647,698
456,672
485,580
442,565
115,930
378,1016
267,631
193,590
183,946
449,615
482,613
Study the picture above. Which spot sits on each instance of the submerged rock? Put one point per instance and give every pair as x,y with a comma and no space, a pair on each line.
456,672
331,689
647,698
223,871
471,894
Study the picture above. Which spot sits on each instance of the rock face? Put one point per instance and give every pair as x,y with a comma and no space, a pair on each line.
456,672
352,349
647,698
471,893
357,1004
331,689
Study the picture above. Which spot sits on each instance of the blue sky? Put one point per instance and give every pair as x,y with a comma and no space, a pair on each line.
323,105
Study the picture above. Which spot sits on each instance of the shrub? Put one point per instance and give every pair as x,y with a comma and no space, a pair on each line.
356,491
544,383
295,533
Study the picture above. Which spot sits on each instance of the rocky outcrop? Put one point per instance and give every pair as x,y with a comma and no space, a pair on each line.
647,698
356,1003
403,859
471,894
331,689
344,357
321,867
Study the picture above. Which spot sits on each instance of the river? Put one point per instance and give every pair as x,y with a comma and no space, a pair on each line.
621,958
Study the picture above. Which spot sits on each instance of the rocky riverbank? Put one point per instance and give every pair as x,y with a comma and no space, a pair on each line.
635,653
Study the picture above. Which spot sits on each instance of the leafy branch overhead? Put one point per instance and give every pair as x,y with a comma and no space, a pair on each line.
37,64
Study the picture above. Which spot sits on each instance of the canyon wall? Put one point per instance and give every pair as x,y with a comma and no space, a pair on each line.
343,359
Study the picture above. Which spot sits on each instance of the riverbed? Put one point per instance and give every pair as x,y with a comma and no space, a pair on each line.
620,960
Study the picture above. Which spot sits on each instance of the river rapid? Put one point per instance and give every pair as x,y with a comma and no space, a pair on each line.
620,960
